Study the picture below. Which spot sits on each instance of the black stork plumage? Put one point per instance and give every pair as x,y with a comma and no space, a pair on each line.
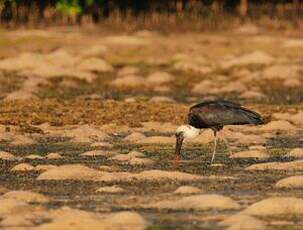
214,115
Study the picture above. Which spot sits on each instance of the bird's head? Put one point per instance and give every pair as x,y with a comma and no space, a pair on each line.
182,132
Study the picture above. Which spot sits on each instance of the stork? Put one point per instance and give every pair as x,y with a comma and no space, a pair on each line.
214,115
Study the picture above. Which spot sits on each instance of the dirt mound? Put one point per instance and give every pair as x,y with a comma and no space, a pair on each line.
157,140
7,156
290,182
240,221
292,166
255,58
26,196
80,172
250,154
187,190
197,202
23,167
67,218
96,153
110,189
160,78
276,206
56,64
130,81
297,152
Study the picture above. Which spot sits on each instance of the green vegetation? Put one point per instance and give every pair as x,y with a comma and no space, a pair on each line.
212,12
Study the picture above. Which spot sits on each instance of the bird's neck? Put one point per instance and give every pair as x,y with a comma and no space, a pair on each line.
191,132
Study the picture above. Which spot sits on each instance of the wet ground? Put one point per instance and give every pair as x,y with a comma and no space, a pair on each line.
93,98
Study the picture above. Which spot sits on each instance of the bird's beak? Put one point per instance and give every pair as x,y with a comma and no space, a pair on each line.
179,141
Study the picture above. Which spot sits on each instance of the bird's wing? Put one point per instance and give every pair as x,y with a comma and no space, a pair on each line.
217,102
220,113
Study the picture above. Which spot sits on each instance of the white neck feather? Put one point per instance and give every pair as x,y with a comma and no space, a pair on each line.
189,131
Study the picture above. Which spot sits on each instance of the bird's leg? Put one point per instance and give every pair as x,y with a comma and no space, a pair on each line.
176,160
215,146
222,136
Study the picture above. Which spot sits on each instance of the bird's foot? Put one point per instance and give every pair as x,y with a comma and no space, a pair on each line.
177,160
211,162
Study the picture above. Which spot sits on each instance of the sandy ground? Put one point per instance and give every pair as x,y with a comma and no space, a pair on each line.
88,120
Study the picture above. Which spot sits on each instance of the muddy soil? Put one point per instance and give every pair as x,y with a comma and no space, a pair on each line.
73,110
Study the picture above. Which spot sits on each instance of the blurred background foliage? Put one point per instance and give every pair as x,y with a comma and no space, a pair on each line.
48,12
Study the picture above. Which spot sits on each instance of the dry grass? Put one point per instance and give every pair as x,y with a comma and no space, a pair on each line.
58,112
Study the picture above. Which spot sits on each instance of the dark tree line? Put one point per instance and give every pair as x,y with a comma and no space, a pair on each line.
24,11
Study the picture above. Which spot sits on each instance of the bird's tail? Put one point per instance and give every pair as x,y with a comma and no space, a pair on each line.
254,118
